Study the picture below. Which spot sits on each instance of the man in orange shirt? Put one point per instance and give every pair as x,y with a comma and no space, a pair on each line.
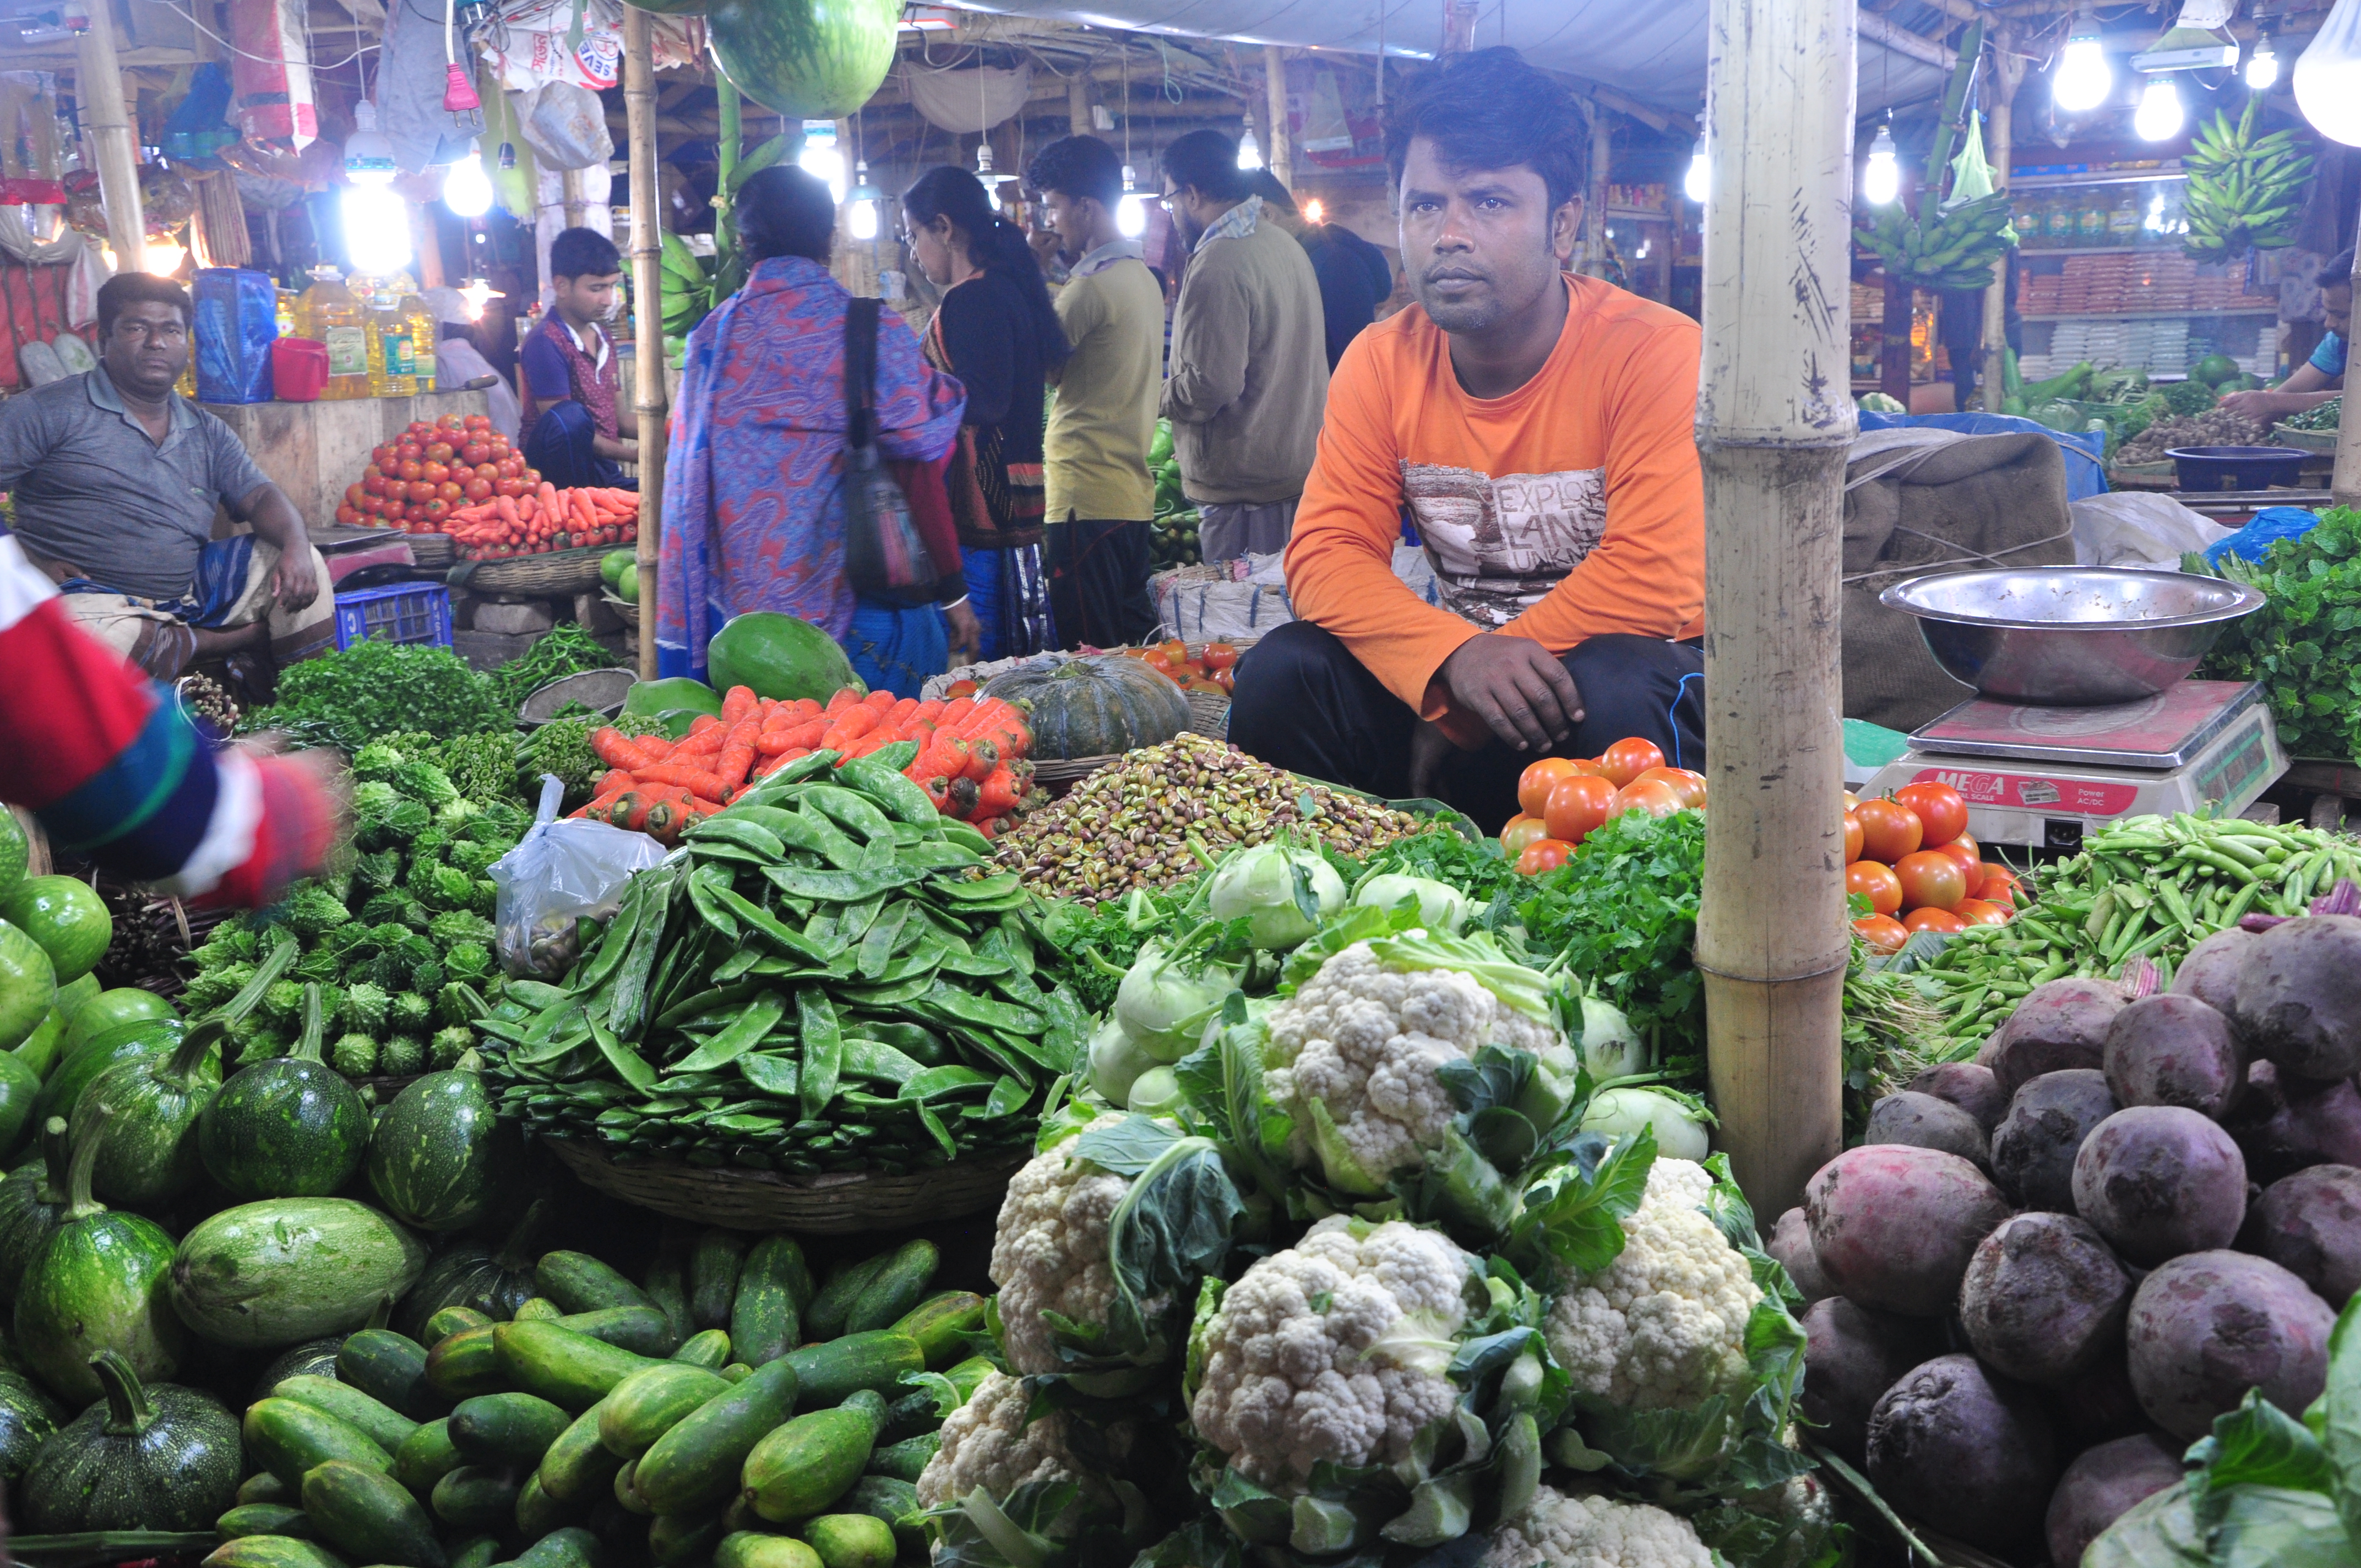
1538,427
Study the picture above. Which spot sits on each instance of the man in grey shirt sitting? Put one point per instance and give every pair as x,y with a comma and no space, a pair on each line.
115,478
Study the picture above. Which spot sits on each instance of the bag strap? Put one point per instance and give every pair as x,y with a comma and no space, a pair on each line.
860,371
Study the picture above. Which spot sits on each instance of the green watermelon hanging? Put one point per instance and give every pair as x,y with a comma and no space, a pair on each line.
805,59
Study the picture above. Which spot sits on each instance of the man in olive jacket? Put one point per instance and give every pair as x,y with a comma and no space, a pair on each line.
1248,378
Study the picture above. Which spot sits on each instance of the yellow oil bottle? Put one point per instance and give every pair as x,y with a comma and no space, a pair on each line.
424,331
329,315
392,369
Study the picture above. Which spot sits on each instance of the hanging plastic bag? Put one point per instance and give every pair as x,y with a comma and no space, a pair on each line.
566,125
566,870
1971,173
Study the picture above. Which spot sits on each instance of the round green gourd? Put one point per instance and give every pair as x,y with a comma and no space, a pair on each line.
32,1203
776,655
439,1158
100,1282
1097,706
154,1457
289,1127
289,1269
28,1419
470,1274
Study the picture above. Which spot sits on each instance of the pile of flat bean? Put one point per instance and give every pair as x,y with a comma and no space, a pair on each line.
2146,887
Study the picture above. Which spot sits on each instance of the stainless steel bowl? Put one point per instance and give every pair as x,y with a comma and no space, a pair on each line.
2070,636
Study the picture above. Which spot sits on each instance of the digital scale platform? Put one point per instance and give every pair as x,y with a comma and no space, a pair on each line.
2041,777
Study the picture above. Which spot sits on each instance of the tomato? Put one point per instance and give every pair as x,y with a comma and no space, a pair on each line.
1851,800
1626,759
1689,786
1226,679
1995,884
1876,883
350,516
353,493
434,472
1220,655
531,476
1534,785
1653,797
1579,805
1542,855
439,452
961,688
509,467
451,421
477,421
512,487
1889,830
1853,836
410,468
451,492
1939,809
383,456
436,510
1520,831
1933,920
1977,912
1883,933
418,490
1965,851
1931,880
476,489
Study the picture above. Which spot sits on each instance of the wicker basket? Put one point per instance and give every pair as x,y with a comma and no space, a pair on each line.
831,1204
433,550
2309,440
551,575
1208,714
626,611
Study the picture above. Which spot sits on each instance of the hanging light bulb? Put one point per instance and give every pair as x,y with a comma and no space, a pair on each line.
1131,212
861,215
1699,179
821,158
2328,76
1881,178
376,229
2084,78
983,171
1249,150
2262,66
369,153
2159,115
466,189
162,258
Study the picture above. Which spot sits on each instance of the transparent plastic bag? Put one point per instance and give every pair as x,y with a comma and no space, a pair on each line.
564,871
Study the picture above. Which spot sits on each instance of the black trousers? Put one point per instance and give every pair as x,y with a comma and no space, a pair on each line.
1305,703
1098,582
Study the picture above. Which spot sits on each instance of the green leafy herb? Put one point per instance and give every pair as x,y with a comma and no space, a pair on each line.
564,649
1622,913
350,697
2299,644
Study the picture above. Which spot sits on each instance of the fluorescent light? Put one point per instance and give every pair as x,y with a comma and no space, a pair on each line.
1881,179
2084,78
376,229
1249,150
2262,66
2159,117
1131,212
1699,179
2328,76
821,158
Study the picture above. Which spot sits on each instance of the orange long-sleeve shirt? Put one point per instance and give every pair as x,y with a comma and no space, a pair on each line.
1570,508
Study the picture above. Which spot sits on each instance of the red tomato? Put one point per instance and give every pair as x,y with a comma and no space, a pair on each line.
450,421
409,451
531,476
350,516
1970,857
436,510
1931,880
1996,884
410,469
475,451
1219,656
1689,786
433,472
384,457
1877,883
1933,920
1534,785
450,492
1542,855
1626,759
374,485
1577,806
1853,838
1889,830
1653,797
439,452
353,493
487,471
477,421
1520,831
418,490
509,467
1977,912
509,487
1939,809
1883,933
478,489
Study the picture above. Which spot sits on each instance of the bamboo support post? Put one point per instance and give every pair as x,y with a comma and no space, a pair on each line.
1280,154
647,313
2008,75
1774,423
98,85
2345,481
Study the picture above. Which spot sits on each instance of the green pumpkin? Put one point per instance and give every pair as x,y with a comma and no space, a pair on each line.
289,1269
100,1282
439,1157
469,1274
289,1127
313,1358
33,1203
1097,707
29,1417
126,1042
144,1457
41,1049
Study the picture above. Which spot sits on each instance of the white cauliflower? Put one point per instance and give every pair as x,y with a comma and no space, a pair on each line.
1664,1324
1334,1349
1050,1252
986,1443
1361,1041
1559,1531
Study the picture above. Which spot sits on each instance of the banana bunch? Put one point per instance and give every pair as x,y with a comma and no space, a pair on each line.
2244,192
1956,251
687,287
692,285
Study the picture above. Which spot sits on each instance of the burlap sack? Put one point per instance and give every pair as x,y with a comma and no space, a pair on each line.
1924,500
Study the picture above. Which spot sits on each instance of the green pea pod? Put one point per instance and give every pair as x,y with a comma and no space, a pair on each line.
877,945
758,1020
983,890
939,1081
780,934
957,832
962,1007
614,943
852,811
628,1065
823,1050
884,782
771,1073
930,1120
800,831
889,993
702,885
839,887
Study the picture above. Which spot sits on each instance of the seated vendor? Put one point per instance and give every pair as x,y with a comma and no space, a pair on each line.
578,426
2319,378
1537,428
116,479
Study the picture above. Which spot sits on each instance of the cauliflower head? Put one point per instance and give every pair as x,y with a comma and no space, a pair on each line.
1664,1324
1049,1251
1334,1349
986,1442
1358,1045
1559,1531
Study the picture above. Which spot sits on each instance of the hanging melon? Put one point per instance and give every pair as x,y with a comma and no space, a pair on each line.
1097,707
814,60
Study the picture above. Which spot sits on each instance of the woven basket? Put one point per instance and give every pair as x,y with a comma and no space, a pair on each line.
1208,714
433,550
829,1204
560,571
626,611
2309,440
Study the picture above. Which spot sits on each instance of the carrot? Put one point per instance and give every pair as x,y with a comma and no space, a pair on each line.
696,781
932,712
737,756
806,707
841,700
901,713
505,508
856,721
883,700
998,793
703,744
982,756
938,790
618,749
778,717
736,703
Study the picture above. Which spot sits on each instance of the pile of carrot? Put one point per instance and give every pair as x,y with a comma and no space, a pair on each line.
546,519
970,757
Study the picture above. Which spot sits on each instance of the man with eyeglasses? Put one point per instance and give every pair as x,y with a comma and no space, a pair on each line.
116,479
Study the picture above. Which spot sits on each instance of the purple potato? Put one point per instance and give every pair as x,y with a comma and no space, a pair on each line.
2286,1124
2175,1050
1892,1226
2044,1300
1851,1356
2058,1025
2210,972
2034,1146
2101,1484
1964,1453
2207,1326
1924,1122
2160,1180
1791,1246
2310,1224
2299,997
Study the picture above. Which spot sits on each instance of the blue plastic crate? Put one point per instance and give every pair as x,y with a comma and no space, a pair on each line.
400,612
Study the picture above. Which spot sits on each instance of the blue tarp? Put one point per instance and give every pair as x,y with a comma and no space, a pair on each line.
2084,451
2265,528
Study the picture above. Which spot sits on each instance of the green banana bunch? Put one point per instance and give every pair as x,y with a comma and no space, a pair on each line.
2244,192
1955,251
688,293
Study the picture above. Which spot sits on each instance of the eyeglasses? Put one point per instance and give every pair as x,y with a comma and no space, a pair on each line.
1166,199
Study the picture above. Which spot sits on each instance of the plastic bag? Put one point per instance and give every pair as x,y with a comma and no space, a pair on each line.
2139,527
564,871
2265,528
566,125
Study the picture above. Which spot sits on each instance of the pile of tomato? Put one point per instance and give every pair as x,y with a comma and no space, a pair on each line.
1208,669
415,483
1564,800
1910,856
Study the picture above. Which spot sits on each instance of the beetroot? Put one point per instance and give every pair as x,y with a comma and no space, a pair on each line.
2310,1224
2101,1483
1972,1088
2210,972
2299,997
2175,1050
2058,1025
2160,1180
1791,1246
2034,1146
2098,1406
1892,1226
2044,1300
1963,1452
1926,1123
2206,1327
1851,1356
2286,1124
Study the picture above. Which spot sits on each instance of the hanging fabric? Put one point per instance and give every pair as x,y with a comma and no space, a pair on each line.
975,99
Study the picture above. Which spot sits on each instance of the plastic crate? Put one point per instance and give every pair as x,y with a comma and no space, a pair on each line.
400,612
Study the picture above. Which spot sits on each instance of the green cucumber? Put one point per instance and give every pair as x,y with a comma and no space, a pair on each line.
942,1324
850,1541
476,1551
272,1552
572,1547
750,1549
465,1364
643,1331
627,1494
738,1372
370,1516
713,1267
908,1416
828,1371
475,1497
802,1466
832,1304
896,1286
570,1370
449,1320
426,1457
391,1369
264,1518
766,1321
578,1464
537,1309
895,1502
580,1283
667,1285
708,1349
391,1429
265,1488
906,1460
695,1464
678,1540
647,1404
290,1440
538,1513
506,1429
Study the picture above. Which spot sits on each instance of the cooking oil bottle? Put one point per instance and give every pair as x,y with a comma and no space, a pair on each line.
392,372
424,330
329,315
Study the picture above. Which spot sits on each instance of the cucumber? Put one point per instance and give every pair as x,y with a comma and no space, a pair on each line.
537,1309
449,1320
370,1516
895,1502
570,1370
476,1551
265,1488
738,1372
697,1463
942,1323
708,1349
272,1552
465,1364
908,1417
647,1404
288,1440
906,1460
578,1464
667,1284
506,1429
850,1541
801,1468
739,1516
896,1286
572,1547
714,1264
476,1497
580,1283
832,1304
749,1548
765,1322
427,1457
538,1513
828,1371
678,1540
627,1494
643,1331
391,1429
264,1518
391,1369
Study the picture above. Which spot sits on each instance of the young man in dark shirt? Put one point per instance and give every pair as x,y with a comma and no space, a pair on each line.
1355,275
577,425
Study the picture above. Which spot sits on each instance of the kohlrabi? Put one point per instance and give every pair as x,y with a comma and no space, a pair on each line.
1163,1007
1441,907
1156,1092
1117,1062
1283,892
1680,1131
1610,1047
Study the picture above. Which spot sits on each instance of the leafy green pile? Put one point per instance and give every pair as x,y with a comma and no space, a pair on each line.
374,689
2301,644
564,649
2319,416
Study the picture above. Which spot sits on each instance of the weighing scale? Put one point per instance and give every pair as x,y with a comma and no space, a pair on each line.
2041,777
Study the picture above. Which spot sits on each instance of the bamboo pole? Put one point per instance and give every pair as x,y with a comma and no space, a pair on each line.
1281,153
2008,75
647,313
98,84
1774,422
2345,481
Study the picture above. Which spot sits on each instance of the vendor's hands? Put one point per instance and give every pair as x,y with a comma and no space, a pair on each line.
293,582
2264,406
1517,688
966,632
1428,746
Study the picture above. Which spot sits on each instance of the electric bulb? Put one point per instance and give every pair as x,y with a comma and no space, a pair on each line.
466,189
1881,179
1699,179
824,164
2084,78
376,230
369,153
1131,212
2159,115
860,220
162,258
1314,212
1249,152
2328,76
2262,67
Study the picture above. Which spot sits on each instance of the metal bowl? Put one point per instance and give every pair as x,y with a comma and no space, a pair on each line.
2070,636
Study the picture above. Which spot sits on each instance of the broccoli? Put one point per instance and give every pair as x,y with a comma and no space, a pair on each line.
403,1056
312,911
454,927
458,1003
451,888
365,1009
283,1001
422,781
411,1013
353,1055
468,961
487,898
444,1052
376,873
